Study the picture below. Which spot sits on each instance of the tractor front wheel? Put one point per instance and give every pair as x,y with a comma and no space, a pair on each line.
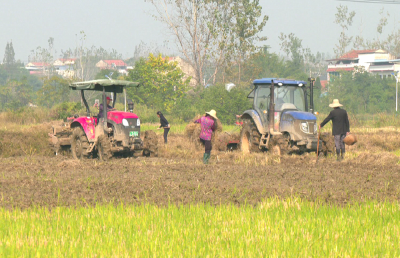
249,138
104,148
280,145
79,143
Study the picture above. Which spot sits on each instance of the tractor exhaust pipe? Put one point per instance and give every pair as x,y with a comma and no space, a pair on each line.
271,107
311,80
272,111
130,106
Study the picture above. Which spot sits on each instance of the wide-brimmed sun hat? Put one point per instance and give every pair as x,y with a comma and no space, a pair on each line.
335,103
212,113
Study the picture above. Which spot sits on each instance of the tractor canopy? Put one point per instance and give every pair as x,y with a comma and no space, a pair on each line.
280,82
116,86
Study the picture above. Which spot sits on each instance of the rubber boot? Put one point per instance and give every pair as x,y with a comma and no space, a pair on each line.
338,157
206,157
343,152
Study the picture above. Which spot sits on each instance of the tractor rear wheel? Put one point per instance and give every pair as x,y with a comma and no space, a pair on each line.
249,137
79,143
104,148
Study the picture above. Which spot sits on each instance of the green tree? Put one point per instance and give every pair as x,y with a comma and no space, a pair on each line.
161,82
16,94
317,94
212,33
302,57
344,19
226,103
236,30
54,91
362,92
293,48
102,74
264,64
9,55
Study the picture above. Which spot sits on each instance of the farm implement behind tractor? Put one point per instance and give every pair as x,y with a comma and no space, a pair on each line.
113,132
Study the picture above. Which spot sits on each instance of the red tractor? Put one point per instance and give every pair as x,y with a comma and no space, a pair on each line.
114,132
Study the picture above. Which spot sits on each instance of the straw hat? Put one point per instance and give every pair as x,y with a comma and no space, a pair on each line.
212,113
335,103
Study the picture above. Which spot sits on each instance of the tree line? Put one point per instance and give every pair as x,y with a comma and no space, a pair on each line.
221,40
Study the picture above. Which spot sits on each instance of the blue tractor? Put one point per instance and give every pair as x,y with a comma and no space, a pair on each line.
281,119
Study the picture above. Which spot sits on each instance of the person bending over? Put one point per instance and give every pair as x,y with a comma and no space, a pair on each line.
207,123
164,123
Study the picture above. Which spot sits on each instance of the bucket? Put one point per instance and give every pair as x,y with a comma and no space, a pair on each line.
350,139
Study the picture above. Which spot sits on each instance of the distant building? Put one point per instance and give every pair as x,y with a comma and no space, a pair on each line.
65,67
112,64
323,84
186,68
378,62
37,68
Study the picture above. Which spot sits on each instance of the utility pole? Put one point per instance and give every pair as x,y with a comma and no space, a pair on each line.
397,80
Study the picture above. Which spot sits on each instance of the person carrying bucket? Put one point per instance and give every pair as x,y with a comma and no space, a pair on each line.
340,127
207,123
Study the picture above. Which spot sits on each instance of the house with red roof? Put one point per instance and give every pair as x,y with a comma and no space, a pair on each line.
37,68
378,62
111,64
117,64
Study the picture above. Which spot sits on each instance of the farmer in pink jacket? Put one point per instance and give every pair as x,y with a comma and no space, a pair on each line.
207,123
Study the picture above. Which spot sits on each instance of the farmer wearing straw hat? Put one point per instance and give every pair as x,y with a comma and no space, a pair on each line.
340,126
207,123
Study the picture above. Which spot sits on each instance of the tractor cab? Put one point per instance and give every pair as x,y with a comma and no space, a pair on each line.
288,95
114,131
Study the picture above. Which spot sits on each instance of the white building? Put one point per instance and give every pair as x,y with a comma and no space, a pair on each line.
65,67
378,62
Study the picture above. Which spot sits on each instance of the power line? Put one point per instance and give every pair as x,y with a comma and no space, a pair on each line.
371,1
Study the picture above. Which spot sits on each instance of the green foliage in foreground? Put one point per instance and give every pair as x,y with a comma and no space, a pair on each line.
275,228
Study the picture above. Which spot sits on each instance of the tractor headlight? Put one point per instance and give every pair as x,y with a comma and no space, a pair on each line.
304,127
138,122
125,122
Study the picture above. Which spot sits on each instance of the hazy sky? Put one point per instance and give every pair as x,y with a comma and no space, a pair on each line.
123,24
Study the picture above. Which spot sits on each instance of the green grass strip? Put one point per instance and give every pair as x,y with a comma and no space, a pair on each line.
275,228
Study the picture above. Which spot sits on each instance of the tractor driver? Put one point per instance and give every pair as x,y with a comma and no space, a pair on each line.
278,102
109,108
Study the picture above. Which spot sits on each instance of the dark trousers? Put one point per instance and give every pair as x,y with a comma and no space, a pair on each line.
207,146
339,143
166,130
